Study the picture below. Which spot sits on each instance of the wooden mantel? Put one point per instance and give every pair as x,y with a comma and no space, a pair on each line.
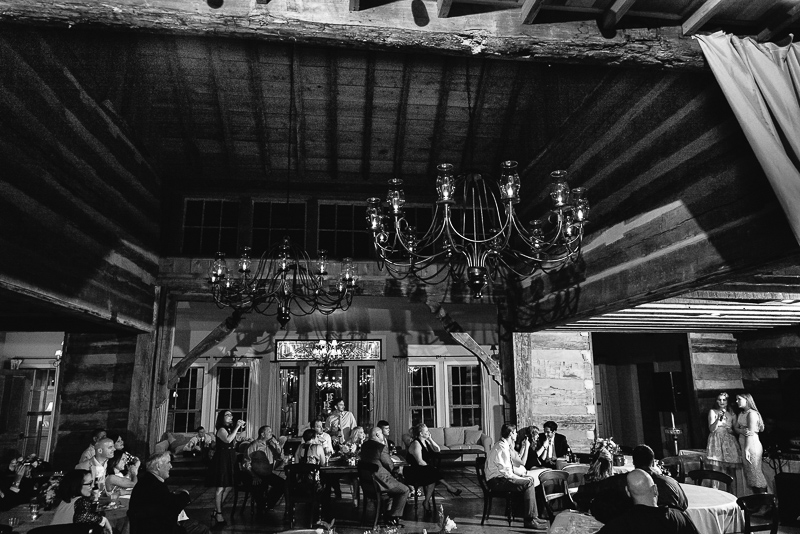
398,26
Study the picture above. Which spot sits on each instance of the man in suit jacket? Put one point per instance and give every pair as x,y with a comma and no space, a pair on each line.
550,446
153,508
373,451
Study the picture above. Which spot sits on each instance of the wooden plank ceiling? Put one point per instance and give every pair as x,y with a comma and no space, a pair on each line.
324,99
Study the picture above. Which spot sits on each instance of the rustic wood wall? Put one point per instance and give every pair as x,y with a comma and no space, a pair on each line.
96,382
715,367
554,380
81,198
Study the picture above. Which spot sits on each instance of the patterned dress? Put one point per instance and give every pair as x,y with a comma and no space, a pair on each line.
752,452
722,444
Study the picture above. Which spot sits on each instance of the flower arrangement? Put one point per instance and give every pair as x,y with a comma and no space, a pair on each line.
445,524
605,443
47,492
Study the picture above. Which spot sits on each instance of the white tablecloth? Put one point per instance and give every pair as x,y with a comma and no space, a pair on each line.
569,522
713,511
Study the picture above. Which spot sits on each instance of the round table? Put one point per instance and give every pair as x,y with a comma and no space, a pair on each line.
713,511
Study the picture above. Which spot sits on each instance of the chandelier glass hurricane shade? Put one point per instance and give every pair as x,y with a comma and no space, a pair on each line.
285,282
476,230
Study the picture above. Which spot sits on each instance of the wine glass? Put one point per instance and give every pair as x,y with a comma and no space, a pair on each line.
34,509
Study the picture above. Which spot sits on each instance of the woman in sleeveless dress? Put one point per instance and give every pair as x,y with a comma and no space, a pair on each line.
723,446
224,460
420,471
748,425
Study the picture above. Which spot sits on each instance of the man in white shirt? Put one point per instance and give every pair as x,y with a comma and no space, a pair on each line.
103,452
505,471
340,422
322,438
88,454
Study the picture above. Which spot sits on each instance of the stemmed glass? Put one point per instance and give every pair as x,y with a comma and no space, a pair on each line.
34,509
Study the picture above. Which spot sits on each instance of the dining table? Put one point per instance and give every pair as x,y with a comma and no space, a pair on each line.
21,519
713,511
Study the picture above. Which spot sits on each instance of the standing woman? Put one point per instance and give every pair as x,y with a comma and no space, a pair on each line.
748,425
224,460
723,447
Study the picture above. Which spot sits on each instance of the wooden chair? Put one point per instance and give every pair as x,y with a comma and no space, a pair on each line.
576,476
489,494
243,482
555,488
372,490
699,475
299,491
752,504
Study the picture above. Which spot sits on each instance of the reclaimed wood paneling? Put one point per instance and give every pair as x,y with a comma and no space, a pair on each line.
96,386
81,198
554,380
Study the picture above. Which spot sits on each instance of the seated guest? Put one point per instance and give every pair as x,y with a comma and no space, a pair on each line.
153,509
199,444
531,433
321,437
88,454
340,422
124,471
550,446
505,471
607,498
68,491
353,444
601,468
374,451
119,442
310,452
384,426
84,507
16,483
263,453
98,464
645,515
421,471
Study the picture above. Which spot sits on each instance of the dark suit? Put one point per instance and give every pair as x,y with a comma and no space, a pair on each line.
153,508
560,448
375,453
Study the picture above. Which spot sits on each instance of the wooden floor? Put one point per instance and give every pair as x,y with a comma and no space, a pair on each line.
465,510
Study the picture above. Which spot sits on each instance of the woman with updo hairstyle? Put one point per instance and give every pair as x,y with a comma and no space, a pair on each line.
420,471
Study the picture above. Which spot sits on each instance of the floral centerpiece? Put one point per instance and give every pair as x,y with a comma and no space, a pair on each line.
445,524
604,443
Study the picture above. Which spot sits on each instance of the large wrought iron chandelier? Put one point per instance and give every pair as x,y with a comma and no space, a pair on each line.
476,230
285,281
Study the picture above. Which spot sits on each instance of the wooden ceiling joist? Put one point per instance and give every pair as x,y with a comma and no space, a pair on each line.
529,11
612,15
700,16
781,24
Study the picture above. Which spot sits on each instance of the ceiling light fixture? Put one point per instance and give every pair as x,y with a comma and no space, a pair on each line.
285,282
475,229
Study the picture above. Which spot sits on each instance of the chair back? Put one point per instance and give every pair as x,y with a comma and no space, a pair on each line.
699,475
69,528
368,481
751,504
674,465
302,482
480,471
576,472
260,464
555,488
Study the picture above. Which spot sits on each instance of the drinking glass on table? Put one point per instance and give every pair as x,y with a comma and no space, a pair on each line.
34,509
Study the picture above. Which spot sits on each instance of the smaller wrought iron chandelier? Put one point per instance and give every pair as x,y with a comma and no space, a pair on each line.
476,230
285,282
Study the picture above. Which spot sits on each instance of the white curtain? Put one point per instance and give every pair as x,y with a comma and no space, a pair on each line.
762,84
255,401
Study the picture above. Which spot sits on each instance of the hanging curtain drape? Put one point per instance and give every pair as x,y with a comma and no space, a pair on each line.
762,84
273,394
400,384
255,401
379,396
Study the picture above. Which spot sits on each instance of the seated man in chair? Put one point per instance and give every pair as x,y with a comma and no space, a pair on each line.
374,451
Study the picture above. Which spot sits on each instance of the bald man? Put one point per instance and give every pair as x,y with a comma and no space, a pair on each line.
646,516
373,451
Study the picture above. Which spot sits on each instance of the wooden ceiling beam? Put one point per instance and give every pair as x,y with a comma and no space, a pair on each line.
700,16
792,16
529,11
220,106
611,16
495,33
259,112
443,8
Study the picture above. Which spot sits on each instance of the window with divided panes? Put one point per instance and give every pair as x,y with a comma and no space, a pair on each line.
185,407
422,394
272,221
210,226
465,395
233,389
